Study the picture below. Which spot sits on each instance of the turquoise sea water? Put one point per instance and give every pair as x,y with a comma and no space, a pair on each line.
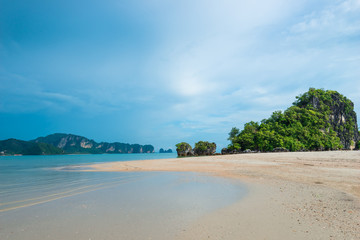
37,201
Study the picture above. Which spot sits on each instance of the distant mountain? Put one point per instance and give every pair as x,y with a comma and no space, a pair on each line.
14,146
71,144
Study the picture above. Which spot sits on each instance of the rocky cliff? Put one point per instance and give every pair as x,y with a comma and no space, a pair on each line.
318,120
338,111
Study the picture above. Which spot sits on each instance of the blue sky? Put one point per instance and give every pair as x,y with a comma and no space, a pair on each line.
162,72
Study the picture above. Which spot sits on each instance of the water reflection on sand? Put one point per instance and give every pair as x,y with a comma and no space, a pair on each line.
44,203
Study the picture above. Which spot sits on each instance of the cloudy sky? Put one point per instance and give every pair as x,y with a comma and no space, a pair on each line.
162,72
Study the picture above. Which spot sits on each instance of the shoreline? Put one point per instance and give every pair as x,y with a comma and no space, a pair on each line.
306,195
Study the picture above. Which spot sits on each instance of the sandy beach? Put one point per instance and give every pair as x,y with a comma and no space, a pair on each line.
307,195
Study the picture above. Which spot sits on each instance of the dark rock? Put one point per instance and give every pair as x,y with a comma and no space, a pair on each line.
280,149
224,151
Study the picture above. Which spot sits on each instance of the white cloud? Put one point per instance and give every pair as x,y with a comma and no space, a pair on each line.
246,73
206,66
332,23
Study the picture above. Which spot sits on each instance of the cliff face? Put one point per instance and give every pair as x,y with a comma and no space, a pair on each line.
344,122
338,111
67,141
77,144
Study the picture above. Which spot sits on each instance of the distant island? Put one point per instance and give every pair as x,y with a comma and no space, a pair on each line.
319,120
165,151
60,143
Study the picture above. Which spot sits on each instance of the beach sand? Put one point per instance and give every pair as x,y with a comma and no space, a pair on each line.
302,195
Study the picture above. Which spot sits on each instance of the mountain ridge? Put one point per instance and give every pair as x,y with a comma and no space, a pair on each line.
62,143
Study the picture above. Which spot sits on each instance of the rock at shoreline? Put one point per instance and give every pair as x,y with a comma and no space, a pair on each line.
230,151
280,149
204,148
184,149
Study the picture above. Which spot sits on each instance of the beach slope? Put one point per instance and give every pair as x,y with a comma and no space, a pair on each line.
301,195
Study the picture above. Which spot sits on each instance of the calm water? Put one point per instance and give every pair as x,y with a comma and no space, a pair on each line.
39,202
28,179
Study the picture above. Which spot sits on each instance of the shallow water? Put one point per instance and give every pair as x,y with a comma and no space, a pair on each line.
38,202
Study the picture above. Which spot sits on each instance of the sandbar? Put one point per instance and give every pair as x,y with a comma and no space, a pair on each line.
294,195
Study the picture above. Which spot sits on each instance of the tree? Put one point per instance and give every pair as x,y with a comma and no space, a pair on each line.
233,134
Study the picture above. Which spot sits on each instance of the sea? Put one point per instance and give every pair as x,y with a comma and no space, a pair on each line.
43,197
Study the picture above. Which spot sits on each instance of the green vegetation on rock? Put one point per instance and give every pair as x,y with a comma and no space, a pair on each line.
184,149
318,120
204,148
183,146
201,148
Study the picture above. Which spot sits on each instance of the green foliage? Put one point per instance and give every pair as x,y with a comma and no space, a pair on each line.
328,103
234,146
183,146
303,126
49,149
233,133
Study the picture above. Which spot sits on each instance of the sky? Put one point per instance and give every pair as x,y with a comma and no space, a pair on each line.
162,72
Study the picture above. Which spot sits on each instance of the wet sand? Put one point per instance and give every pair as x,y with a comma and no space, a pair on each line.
127,205
310,195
